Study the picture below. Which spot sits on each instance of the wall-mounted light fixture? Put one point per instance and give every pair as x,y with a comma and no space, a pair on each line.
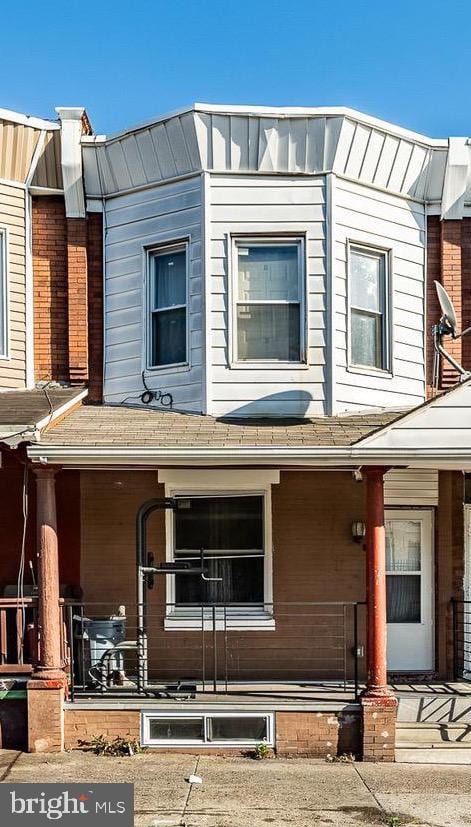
358,531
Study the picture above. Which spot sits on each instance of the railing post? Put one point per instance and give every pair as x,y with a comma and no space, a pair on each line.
70,632
215,656
454,628
355,648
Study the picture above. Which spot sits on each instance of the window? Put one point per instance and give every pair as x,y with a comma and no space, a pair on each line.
168,311
206,729
403,567
3,295
268,301
230,530
368,288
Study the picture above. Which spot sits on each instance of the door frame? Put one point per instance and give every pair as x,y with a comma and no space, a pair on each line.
428,575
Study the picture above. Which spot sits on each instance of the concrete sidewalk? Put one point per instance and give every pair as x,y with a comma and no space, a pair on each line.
239,792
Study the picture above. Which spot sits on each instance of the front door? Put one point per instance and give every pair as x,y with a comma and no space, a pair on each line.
409,580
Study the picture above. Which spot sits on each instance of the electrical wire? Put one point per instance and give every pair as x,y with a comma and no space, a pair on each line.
21,569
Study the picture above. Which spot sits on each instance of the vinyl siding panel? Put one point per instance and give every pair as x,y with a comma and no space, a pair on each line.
134,222
12,219
244,206
392,223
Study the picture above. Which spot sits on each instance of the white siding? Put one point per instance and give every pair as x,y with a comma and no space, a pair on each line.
12,219
133,223
265,204
411,487
364,215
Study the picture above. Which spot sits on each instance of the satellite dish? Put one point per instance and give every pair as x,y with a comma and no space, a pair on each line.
448,311
447,326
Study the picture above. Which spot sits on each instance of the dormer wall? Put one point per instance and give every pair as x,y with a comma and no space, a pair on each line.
203,188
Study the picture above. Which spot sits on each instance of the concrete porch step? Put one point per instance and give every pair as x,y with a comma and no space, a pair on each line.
433,755
419,733
431,743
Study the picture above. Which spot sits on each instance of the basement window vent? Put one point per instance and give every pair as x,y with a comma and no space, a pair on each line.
208,729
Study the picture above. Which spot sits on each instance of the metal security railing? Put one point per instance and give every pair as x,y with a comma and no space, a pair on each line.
169,650
461,630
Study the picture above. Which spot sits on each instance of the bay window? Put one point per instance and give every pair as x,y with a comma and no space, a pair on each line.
269,286
368,308
167,269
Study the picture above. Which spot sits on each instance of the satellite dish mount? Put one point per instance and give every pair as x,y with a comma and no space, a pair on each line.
447,326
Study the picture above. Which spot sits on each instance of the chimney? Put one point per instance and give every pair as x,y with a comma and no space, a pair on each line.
72,127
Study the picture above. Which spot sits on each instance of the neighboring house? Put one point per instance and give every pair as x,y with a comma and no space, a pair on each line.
268,300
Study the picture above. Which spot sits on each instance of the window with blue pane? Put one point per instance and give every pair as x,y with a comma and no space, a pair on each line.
168,306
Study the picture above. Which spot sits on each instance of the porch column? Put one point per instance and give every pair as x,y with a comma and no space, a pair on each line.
378,702
377,683
48,576
45,690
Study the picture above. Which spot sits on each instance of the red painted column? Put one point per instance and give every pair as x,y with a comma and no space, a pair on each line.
49,667
376,684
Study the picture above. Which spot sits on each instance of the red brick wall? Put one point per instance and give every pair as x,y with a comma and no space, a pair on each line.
379,728
85,724
449,262
49,241
68,295
77,299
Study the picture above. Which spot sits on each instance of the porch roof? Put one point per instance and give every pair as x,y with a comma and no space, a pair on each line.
24,413
104,434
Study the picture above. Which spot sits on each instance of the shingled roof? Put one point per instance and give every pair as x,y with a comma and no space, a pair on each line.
23,412
120,426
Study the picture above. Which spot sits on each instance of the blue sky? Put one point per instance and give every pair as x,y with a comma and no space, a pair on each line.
407,62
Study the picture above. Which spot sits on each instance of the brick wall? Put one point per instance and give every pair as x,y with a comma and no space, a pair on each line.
449,262
49,242
77,299
379,728
68,295
317,734
85,724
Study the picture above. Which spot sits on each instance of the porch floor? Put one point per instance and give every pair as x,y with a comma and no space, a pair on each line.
289,696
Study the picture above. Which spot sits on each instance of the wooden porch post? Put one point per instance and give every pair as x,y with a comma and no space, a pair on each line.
49,667
377,683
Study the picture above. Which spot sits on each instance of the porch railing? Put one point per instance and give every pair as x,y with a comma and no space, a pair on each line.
18,634
163,649
461,630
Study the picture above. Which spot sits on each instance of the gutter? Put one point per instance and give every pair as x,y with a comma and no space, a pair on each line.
316,457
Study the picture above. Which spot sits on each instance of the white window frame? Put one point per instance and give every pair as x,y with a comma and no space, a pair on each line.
206,716
238,240
177,245
227,483
386,369
4,297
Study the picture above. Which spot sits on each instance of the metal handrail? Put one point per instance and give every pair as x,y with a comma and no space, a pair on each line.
321,637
